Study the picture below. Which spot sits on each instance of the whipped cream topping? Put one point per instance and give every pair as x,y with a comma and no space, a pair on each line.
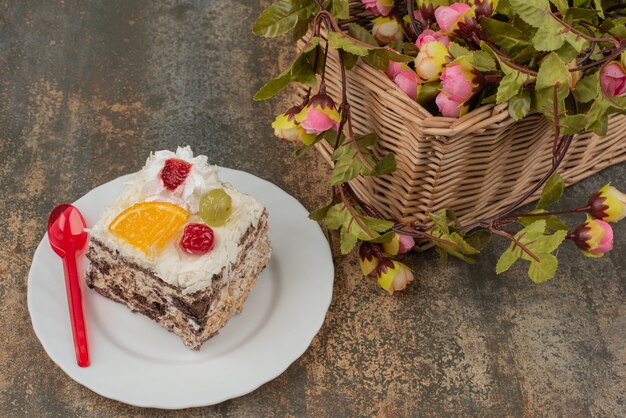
189,272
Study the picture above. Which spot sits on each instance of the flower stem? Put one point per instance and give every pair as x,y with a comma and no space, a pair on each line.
515,241
557,127
570,28
353,213
547,213
401,229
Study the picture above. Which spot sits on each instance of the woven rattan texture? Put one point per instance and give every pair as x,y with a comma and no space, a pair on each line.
476,165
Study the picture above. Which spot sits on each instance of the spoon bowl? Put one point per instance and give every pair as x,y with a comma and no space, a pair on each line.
66,230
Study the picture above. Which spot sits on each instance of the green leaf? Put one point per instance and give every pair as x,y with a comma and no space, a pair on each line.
340,9
282,16
312,43
329,136
561,6
348,241
338,41
441,222
600,127
482,61
552,222
457,50
598,6
319,214
300,71
532,12
544,270
510,85
531,232
349,60
519,105
273,87
300,29
386,237
504,34
385,165
572,124
548,37
588,87
577,13
552,191
428,91
552,71
410,49
478,239
598,108
567,52
547,243
506,260
348,167
336,216
362,34
349,159
377,225
302,150
379,58
525,54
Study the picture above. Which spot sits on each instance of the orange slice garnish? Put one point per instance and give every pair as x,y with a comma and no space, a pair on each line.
149,226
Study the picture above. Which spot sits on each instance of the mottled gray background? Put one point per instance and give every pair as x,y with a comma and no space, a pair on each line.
89,88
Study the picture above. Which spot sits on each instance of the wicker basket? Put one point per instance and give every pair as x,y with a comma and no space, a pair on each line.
476,165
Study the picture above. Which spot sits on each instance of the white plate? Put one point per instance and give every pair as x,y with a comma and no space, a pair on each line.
134,360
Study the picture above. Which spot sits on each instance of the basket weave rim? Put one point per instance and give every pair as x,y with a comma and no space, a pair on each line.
442,126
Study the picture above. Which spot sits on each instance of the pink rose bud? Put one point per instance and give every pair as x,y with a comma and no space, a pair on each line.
387,30
319,115
393,275
394,67
594,237
459,82
378,7
448,107
613,79
427,8
399,244
430,35
431,59
286,127
368,259
608,204
457,19
408,82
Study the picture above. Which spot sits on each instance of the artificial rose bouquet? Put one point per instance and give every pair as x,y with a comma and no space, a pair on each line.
567,63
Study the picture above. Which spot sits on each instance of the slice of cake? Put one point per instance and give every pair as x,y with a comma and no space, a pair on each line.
180,246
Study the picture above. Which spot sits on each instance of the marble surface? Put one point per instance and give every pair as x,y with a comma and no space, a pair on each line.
88,89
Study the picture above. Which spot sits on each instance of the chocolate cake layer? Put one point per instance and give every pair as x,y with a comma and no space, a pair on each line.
195,317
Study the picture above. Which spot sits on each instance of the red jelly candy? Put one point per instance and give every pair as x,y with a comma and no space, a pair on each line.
197,239
174,173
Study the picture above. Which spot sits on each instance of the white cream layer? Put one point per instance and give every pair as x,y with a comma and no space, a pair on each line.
189,272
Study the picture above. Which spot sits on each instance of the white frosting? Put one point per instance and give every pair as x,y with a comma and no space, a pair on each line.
189,272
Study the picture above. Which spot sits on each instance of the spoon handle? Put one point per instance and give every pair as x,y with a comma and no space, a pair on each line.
75,304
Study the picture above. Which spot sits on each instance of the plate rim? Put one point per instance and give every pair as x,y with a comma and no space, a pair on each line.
246,389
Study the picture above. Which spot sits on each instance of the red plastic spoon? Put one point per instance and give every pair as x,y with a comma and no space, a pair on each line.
66,232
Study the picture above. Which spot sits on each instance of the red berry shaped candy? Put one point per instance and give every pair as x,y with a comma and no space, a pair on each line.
174,173
197,239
